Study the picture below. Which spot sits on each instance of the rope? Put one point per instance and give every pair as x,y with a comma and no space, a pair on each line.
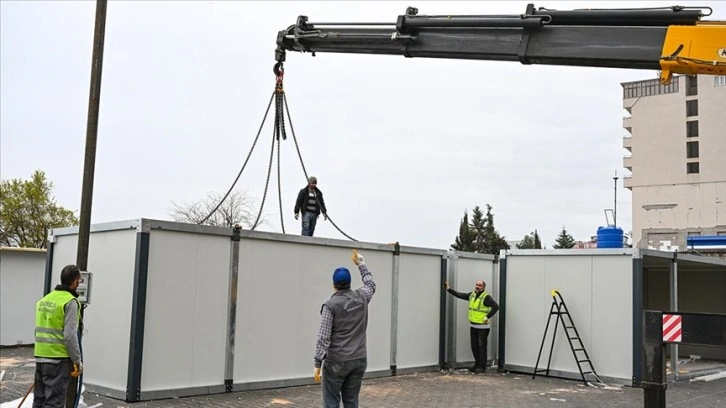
299,155
264,118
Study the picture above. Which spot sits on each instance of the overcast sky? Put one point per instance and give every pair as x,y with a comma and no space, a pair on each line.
401,147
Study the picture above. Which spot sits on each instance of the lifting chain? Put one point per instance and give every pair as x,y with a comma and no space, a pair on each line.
278,131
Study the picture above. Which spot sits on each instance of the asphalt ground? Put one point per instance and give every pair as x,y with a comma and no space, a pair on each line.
423,390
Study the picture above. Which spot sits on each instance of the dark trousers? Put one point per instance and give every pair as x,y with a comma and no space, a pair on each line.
309,219
51,384
344,380
479,346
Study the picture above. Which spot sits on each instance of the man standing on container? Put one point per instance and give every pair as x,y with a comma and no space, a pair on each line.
310,202
57,351
482,307
341,344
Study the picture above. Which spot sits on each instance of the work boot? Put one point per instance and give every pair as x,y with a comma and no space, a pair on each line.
473,368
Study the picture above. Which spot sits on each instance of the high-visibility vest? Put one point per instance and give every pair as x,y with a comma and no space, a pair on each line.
477,310
49,319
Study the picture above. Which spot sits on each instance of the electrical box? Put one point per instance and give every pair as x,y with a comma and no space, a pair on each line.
84,288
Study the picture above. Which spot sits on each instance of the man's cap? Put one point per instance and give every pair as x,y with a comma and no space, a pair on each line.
312,180
341,275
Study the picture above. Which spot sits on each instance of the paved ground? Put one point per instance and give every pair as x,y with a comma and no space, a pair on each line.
459,389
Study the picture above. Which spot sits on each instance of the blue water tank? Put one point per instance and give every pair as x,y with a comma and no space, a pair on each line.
609,237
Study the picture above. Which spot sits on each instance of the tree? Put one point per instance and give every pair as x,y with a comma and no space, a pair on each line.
479,226
465,240
237,208
526,243
530,241
537,242
480,236
493,242
28,210
564,240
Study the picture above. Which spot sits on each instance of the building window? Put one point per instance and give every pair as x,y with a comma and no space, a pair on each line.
719,80
648,88
691,85
692,108
692,128
692,150
692,168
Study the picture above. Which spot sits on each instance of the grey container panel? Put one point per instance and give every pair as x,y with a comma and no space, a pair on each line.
590,285
612,316
282,286
469,270
186,311
107,320
527,309
418,310
22,275
572,277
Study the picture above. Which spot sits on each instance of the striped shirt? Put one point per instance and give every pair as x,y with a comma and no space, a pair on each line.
326,316
312,203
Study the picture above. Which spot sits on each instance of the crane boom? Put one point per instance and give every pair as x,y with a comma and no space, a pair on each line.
671,39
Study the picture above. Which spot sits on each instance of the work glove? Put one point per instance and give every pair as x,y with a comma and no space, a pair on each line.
325,217
296,215
77,370
316,374
358,258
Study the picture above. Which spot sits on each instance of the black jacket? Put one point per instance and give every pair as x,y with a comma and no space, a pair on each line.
302,198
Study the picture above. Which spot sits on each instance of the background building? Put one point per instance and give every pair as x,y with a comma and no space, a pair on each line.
677,144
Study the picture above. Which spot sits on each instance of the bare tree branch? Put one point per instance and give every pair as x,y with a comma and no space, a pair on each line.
238,208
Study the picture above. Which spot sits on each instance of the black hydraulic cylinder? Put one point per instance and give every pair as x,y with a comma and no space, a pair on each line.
623,17
413,23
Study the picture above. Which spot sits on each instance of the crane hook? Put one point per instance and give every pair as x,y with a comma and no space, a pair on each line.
279,70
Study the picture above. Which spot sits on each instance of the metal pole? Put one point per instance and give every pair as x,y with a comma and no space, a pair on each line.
653,363
674,308
615,201
89,164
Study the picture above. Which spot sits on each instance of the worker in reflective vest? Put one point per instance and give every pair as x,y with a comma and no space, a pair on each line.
57,351
482,307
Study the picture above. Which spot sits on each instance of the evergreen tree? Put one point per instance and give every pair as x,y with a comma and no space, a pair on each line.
465,240
478,229
530,241
526,243
537,242
564,240
493,242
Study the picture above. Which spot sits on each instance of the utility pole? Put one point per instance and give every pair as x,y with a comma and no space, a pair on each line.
89,167
615,201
